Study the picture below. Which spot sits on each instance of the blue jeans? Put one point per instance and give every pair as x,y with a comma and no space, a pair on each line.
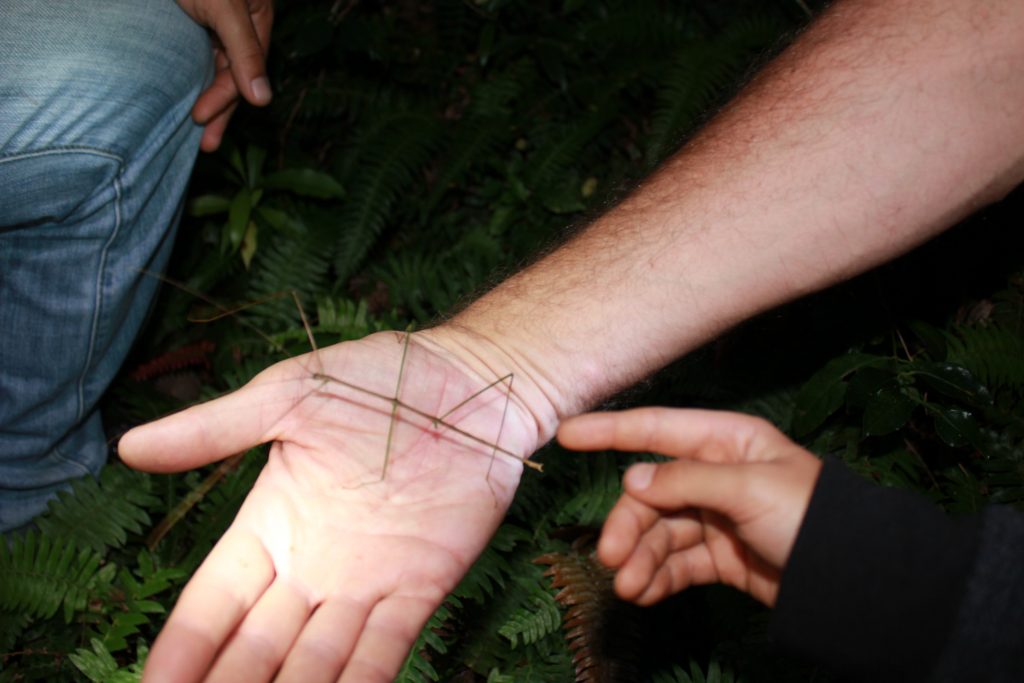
96,147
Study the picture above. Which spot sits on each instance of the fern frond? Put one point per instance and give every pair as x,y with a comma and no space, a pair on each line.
698,77
992,354
100,514
715,673
99,665
40,574
537,620
491,569
398,151
494,97
417,667
286,263
476,139
560,148
601,631
11,626
600,485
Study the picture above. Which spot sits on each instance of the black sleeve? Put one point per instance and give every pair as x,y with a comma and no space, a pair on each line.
882,586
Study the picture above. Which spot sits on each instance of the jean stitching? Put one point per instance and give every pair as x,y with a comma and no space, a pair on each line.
69,461
74,149
97,310
98,307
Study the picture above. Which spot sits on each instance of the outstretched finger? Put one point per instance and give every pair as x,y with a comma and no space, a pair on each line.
325,643
259,644
227,584
387,637
714,436
213,430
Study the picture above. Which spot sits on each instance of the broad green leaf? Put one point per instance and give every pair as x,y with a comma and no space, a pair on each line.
306,182
249,244
888,410
208,205
238,219
954,381
955,426
865,383
254,158
823,393
280,220
486,45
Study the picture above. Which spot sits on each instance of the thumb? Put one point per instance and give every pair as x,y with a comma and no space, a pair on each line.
682,484
233,24
206,432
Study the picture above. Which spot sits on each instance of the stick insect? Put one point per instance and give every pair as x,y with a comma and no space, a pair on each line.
394,402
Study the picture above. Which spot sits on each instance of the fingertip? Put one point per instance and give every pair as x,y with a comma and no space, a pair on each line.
260,92
128,448
639,477
582,432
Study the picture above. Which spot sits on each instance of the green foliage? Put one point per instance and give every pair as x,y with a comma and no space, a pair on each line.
100,514
42,574
414,153
99,666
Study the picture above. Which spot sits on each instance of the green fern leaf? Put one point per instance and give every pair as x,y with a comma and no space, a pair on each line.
398,150
417,667
600,485
701,72
992,354
539,619
100,514
560,148
39,574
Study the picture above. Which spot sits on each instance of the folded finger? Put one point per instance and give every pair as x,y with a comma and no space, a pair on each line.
213,133
230,581
625,525
220,92
693,566
668,536
389,633
237,33
325,643
261,642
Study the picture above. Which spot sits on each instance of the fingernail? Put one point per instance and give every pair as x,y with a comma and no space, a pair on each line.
639,476
261,89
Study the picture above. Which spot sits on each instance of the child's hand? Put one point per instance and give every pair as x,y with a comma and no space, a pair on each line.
727,511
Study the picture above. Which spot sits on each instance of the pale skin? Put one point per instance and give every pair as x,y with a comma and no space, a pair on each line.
726,510
883,124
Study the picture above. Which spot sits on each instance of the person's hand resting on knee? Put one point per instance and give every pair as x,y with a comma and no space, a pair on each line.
726,510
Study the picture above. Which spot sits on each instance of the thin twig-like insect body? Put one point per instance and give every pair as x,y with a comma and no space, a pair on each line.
321,376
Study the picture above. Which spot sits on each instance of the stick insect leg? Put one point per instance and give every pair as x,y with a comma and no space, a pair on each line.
395,402
441,419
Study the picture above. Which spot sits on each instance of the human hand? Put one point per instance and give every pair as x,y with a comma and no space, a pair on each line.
241,35
727,511
329,570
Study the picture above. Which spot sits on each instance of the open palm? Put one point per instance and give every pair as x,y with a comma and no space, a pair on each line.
333,563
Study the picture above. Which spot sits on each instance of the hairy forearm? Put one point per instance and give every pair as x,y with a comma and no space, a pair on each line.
886,122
